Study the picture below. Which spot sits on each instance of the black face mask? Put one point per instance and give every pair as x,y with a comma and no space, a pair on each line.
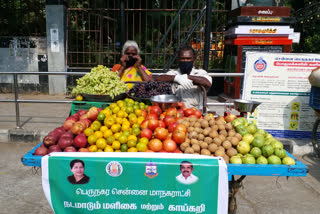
186,67
131,61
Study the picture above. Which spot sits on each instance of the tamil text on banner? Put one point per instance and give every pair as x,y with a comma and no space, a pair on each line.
280,82
131,183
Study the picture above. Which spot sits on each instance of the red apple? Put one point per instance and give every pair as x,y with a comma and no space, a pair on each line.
80,141
54,148
99,109
64,142
74,117
93,113
82,112
87,122
146,133
70,149
78,127
50,140
153,124
84,116
168,120
68,124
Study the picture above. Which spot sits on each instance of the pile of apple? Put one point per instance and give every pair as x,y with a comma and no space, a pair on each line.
69,137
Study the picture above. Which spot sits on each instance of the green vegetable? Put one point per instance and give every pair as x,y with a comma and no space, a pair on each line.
100,81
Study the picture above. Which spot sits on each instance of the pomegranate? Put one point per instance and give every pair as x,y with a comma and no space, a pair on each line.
169,145
155,145
161,133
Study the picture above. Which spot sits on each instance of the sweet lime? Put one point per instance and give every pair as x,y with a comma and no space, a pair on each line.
141,147
124,147
101,116
123,139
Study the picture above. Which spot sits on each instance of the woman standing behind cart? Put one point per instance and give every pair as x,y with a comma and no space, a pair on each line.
131,68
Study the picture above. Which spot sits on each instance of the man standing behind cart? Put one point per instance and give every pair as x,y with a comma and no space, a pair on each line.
186,79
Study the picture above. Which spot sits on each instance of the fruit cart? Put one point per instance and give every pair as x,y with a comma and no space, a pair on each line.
242,170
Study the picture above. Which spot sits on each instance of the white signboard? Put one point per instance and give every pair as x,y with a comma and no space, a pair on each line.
54,35
280,82
260,30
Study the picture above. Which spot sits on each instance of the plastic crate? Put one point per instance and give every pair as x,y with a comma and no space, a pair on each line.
314,100
85,105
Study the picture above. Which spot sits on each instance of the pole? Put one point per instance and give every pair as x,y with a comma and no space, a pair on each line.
122,23
15,83
207,35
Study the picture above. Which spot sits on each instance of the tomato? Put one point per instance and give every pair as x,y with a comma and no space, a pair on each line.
179,136
168,120
188,112
172,126
197,113
180,127
155,145
161,133
169,145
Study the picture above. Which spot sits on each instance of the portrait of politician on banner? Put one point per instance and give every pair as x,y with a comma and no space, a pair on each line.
77,168
186,176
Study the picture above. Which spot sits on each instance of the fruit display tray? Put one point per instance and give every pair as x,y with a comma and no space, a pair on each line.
298,170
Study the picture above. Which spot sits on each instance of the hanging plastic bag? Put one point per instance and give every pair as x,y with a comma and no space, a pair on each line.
314,77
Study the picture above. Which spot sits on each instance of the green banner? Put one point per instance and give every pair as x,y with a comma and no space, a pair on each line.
134,184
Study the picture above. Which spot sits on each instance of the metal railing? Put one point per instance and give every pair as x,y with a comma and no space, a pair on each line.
17,101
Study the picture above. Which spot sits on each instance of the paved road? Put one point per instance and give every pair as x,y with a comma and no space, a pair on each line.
21,189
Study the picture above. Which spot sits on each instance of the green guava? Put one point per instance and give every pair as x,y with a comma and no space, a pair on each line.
258,141
256,152
262,160
288,161
274,160
267,150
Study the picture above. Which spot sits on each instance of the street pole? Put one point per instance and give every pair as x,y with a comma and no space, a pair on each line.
122,23
207,35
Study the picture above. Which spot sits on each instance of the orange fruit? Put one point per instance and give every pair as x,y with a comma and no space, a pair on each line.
88,131
116,145
98,134
108,149
133,149
92,139
93,148
79,97
101,143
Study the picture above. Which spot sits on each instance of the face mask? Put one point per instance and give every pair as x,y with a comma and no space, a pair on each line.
131,61
186,67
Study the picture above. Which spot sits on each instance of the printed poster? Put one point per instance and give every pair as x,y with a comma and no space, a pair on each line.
280,82
131,183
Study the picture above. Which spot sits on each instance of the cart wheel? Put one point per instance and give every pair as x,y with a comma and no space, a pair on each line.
316,138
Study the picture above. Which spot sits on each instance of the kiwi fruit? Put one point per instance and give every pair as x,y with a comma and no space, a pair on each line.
187,140
193,134
222,137
205,152
213,133
194,141
219,153
186,123
198,130
232,152
200,137
208,140
223,132
204,145
217,141
190,129
221,127
184,145
221,148
231,133
239,136
193,119
189,150
228,126
212,122
226,158
195,147
197,124
215,127
234,141
213,147
220,122
204,124
227,144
